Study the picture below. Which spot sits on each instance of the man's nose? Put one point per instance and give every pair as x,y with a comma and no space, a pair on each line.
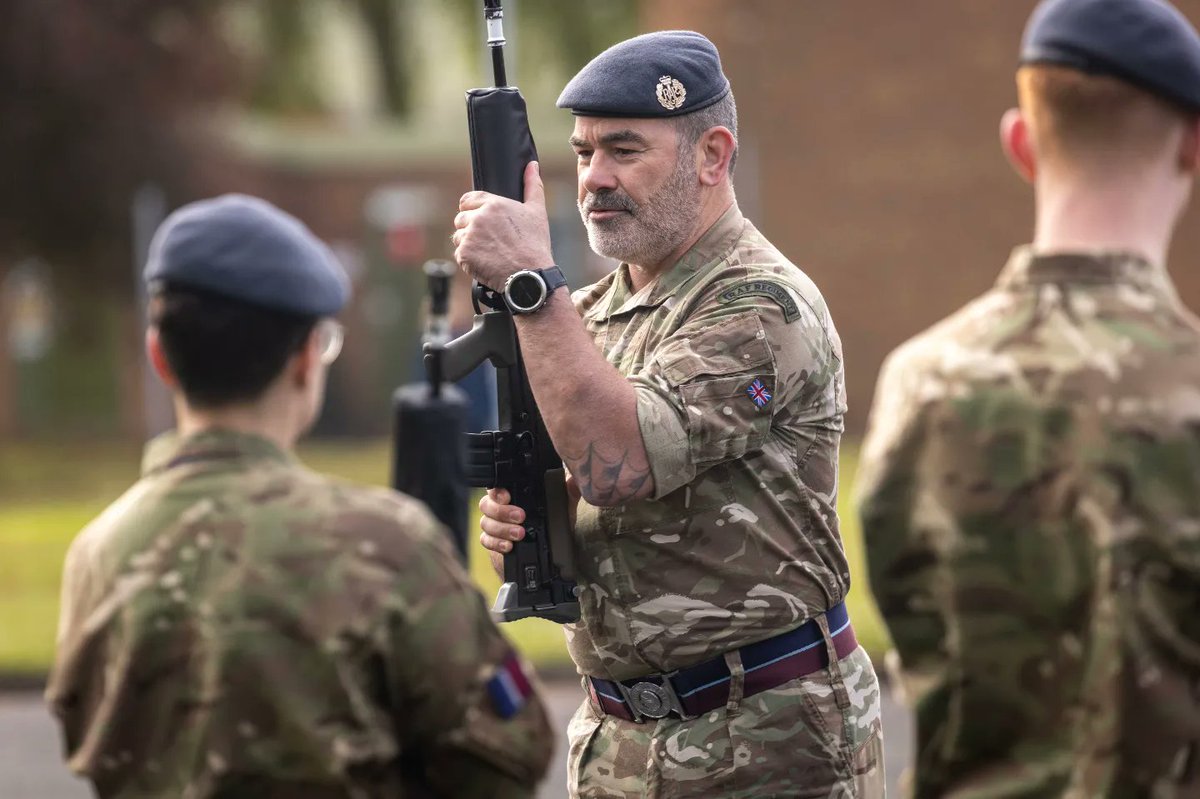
598,175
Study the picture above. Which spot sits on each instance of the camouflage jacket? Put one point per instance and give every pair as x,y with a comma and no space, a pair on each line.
1030,496
236,625
738,373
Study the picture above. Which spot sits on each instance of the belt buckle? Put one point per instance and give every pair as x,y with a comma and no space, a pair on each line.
652,700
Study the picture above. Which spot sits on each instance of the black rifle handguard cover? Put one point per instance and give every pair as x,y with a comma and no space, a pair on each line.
501,144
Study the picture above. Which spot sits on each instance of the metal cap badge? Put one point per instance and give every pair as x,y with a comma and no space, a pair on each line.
671,93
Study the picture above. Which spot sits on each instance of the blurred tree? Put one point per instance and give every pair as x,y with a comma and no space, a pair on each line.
286,78
384,21
94,95
569,34
285,74
98,98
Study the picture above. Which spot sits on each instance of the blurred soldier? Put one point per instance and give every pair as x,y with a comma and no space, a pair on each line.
239,626
696,394
1030,486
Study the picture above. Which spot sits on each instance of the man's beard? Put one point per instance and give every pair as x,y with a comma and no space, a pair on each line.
648,232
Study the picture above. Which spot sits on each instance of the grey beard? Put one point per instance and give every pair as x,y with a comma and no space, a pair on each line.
651,231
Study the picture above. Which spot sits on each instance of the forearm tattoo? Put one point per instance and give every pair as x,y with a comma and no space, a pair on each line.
603,481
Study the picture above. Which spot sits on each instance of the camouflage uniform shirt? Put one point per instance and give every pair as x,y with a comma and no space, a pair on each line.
1030,494
237,626
738,373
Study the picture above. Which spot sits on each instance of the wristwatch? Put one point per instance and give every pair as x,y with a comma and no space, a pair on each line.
527,291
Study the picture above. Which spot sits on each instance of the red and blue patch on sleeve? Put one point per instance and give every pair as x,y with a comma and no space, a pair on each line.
509,688
759,394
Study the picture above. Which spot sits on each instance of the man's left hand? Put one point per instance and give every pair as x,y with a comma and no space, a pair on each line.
495,236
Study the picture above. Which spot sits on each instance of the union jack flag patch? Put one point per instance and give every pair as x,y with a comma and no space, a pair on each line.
509,688
758,392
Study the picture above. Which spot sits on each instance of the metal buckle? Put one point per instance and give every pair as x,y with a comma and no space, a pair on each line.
652,700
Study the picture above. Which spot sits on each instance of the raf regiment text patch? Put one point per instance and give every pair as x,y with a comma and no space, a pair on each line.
763,288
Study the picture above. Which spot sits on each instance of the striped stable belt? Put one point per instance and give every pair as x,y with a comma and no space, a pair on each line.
689,692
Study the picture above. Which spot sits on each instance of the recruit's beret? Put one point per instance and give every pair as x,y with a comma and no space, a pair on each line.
661,74
247,249
1145,42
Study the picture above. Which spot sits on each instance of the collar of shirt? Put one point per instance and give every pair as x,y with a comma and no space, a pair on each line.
711,249
170,449
1025,267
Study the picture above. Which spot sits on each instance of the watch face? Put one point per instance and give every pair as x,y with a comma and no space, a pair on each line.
526,292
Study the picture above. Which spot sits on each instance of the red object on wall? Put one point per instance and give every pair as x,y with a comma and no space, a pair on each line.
406,245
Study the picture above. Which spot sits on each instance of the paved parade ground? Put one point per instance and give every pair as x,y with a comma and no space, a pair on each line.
30,767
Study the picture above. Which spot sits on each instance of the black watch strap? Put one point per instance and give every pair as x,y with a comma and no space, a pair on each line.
554,279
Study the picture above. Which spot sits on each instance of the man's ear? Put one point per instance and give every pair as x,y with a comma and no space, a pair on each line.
302,366
715,149
158,359
1014,139
1189,148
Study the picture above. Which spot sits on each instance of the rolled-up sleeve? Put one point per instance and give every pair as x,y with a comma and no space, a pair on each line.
705,398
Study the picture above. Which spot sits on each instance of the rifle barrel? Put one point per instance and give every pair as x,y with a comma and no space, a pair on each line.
493,13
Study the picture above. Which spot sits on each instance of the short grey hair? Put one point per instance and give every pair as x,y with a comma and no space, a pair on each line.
722,113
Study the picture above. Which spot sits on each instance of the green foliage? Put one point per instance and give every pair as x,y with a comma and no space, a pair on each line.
285,80
61,491
553,33
388,33
576,32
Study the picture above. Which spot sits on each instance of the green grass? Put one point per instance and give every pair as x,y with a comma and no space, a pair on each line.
868,624
33,540
48,493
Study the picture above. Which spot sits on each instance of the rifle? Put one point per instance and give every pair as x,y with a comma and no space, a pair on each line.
430,419
539,571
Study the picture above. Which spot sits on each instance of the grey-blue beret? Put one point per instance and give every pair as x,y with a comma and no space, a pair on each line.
247,249
661,74
1145,42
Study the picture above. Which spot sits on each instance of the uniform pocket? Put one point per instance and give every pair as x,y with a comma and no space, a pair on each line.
581,735
735,344
724,420
790,741
863,741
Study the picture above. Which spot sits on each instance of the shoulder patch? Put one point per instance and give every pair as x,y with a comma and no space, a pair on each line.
509,688
764,288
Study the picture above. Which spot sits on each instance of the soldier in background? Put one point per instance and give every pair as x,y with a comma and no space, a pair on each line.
1030,484
238,626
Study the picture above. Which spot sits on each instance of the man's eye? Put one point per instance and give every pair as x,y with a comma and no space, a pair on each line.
624,151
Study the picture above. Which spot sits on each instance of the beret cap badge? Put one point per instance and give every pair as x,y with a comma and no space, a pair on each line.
671,93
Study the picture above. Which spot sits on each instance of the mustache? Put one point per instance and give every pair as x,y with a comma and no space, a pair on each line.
608,201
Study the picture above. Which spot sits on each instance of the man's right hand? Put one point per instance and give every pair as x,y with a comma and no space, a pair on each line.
501,522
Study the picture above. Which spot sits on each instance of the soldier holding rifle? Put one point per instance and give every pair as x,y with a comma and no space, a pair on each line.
696,396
